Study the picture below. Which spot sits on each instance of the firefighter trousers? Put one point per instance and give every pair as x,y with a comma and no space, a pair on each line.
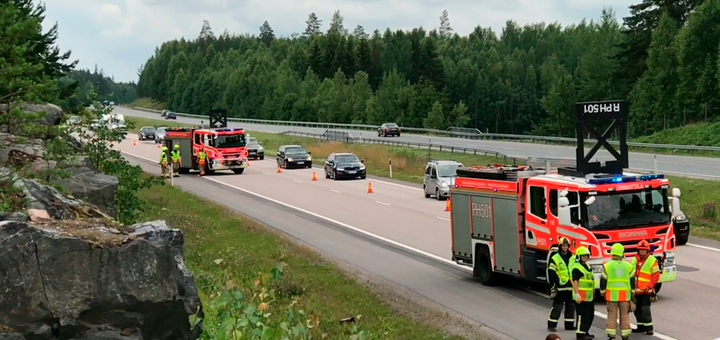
642,312
564,298
201,165
176,168
163,169
617,310
585,315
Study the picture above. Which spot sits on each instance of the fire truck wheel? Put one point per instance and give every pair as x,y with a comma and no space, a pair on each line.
483,267
184,171
238,171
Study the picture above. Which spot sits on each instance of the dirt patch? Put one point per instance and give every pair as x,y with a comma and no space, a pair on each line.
98,232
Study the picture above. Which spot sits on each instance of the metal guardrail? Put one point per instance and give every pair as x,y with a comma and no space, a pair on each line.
456,133
344,137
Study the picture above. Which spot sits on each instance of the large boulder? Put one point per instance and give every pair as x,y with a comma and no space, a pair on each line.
53,113
90,186
43,197
19,151
91,279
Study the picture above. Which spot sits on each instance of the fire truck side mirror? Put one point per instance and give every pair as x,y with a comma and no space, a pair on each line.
590,200
564,211
676,192
563,202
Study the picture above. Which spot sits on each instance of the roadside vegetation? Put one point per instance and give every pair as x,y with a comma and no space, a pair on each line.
148,104
699,201
254,281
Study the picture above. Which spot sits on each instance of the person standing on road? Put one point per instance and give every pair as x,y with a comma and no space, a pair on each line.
164,162
647,275
202,156
175,155
562,288
617,283
583,283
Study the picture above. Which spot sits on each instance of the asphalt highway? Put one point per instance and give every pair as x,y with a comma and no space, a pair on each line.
399,235
702,166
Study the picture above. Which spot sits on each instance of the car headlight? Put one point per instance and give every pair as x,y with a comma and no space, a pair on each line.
597,269
680,218
444,185
309,158
290,159
260,149
362,167
669,262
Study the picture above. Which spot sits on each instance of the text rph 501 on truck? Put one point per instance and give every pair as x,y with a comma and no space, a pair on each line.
506,220
226,148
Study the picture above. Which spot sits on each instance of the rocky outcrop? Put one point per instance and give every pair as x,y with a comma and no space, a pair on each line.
91,186
19,152
94,280
53,113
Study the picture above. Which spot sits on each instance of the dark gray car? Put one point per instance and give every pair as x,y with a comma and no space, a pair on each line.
344,165
255,149
146,132
289,156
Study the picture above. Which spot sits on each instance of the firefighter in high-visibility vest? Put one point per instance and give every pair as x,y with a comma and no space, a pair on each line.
562,290
175,155
164,162
617,282
202,157
647,274
583,282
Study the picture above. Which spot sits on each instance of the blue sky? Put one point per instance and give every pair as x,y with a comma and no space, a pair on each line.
120,35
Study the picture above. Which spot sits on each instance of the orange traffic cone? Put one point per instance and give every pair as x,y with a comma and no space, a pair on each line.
279,170
447,204
158,145
314,178
134,142
370,191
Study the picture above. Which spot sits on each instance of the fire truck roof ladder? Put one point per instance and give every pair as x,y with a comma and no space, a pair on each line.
495,172
586,114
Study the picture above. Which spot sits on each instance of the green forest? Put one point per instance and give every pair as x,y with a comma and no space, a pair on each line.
106,88
663,59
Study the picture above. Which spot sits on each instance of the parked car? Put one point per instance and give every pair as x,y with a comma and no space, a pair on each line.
73,120
112,103
163,113
388,129
255,149
171,115
160,135
95,124
293,156
146,132
344,165
439,177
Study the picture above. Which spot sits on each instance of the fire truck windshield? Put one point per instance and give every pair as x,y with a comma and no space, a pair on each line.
627,209
229,141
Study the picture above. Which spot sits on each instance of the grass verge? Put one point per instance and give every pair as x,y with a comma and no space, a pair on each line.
699,201
148,104
224,249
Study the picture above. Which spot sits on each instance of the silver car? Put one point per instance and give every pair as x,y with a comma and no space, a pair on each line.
439,176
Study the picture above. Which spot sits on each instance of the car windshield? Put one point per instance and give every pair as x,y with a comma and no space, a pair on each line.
230,141
161,130
252,141
295,150
148,129
346,159
448,170
628,209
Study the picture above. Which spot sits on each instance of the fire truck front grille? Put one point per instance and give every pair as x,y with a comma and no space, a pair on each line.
631,246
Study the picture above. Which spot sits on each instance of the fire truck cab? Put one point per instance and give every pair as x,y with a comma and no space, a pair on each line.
506,220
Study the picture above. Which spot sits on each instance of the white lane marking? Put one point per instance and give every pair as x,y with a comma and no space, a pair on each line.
706,248
369,234
266,173
337,191
442,218
383,203
296,181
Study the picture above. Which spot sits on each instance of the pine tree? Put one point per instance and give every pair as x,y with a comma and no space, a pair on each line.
206,32
445,30
359,32
336,24
313,25
267,35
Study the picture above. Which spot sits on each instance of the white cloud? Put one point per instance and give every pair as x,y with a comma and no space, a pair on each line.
119,35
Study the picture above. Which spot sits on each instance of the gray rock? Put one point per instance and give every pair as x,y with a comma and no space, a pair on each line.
100,284
19,151
15,217
44,197
91,186
53,113
12,336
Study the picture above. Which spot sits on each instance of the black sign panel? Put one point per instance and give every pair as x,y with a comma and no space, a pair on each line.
588,114
218,118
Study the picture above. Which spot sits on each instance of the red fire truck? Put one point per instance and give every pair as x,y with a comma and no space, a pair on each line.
506,220
226,148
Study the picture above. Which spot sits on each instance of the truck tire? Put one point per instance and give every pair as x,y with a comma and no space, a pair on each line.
184,171
238,171
482,267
